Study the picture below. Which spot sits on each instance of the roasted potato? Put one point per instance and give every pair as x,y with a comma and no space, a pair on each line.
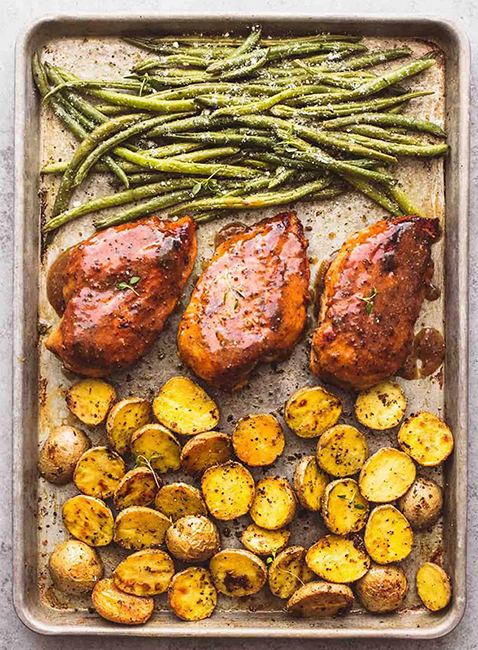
90,400
382,406
433,586
338,558
265,542
312,410
205,450
75,567
342,450
138,487
61,452
258,440
274,503
118,607
89,519
237,572
386,475
124,419
192,594
98,472
184,407
310,483
193,539
153,443
344,509
144,573
228,490
320,599
382,588
426,438
178,500
388,535
422,504
138,527
288,571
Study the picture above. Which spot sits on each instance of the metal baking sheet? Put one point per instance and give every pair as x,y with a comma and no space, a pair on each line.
92,44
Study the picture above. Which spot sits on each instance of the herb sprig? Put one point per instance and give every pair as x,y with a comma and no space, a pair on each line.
369,300
129,285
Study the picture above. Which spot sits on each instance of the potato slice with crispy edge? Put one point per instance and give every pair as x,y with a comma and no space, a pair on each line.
312,410
433,586
178,500
388,535
228,490
184,407
237,572
310,483
89,519
386,475
274,503
124,419
205,450
90,400
265,542
155,444
426,438
320,599
338,558
288,571
98,472
258,440
144,573
138,527
192,594
138,487
381,407
342,450
193,539
344,509
118,607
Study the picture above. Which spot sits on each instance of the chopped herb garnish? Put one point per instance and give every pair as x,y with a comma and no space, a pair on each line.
129,285
342,496
368,300
359,506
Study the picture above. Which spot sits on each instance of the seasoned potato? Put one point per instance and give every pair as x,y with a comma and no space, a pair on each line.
312,410
75,567
144,573
288,571
320,599
342,450
205,450
310,483
193,539
422,504
338,558
192,594
184,407
236,572
426,438
138,487
89,519
228,490
388,535
61,452
433,586
154,443
382,588
138,527
98,472
382,406
264,542
258,439
178,500
387,475
274,503
344,509
90,400
124,419
118,607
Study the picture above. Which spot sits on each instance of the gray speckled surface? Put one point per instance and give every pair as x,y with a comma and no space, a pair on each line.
14,15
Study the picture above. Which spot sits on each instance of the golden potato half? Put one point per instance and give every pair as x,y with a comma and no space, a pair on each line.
381,407
320,599
192,594
342,450
310,482
382,588
193,539
312,410
138,487
155,445
75,567
258,439
338,558
228,490
144,573
237,572
90,400
124,419
89,519
99,472
205,450
344,509
60,453
274,503
433,586
264,542
177,500
387,475
288,571
138,527
426,438
388,535
118,607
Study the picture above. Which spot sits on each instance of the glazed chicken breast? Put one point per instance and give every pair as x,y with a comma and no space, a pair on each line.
119,287
373,292
249,305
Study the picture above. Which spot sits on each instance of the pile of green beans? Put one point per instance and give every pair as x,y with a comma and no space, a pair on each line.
208,124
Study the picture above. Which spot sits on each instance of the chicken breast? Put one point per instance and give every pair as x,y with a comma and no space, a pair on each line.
373,292
249,305
119,288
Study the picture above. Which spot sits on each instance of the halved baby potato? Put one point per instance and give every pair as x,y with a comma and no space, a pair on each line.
388,535
126,417
264,542
144,573
205,450
426,438
192,594
138,487
422,503
320,599
89,519
433,586
193,539
184,407
90,400
228,490
382,406
237,572
274,503
312,410
344,509
158,446
342,450
178,500
99,472
138,527
258,439
118,607
75,567
382,588
60,453
387,475
288,571
338,558
310,483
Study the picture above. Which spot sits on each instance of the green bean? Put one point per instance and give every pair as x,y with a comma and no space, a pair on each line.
282,175
385,119
206,49
188,124
382,134
406,205
168,150
167,61
93,83
242,72
374,193
395,148
286,51
371,59
218,101
226,138
208,154
60,167
248,43
396,110
217,40
109,109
